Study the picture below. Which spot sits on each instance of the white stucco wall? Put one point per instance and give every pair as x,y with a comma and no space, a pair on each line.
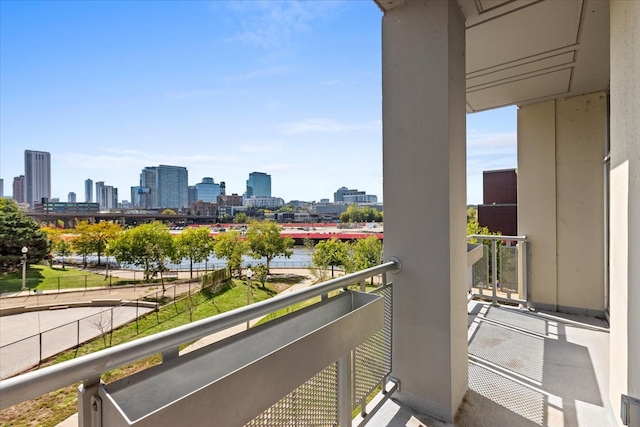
561,145
581,133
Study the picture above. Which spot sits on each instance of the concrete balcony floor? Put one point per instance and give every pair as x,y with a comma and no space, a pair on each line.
527,369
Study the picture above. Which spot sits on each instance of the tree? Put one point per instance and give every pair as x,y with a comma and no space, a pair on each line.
261,272
93,238
265,241
367,253
472,213
357,214
103,324
329,253
54,236
147,246
194,244
230,246
168,212
63,248
17,231
82,243
240,218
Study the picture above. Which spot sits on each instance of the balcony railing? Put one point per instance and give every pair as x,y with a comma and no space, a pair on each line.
314,366
503,270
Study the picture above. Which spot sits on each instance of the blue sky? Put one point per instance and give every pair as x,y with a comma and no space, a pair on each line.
223,88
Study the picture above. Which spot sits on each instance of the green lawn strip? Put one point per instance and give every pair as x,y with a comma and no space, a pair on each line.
52,408
43,277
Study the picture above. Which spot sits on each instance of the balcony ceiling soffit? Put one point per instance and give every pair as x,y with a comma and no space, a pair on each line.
526,51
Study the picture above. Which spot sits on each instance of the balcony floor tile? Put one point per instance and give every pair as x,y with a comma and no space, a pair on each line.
526,369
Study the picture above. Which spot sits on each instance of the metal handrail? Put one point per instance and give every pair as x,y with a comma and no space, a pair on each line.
36,383
497,237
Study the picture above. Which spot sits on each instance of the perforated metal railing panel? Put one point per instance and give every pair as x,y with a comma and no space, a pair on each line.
372,361
314,403
509,268
480,270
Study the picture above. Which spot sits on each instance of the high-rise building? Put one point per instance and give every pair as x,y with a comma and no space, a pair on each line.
71,197
208,190
149,179
37,174
193,194
110,197
258,185
1,187
100,195
173,187
141,197
88,191
18,189
168,186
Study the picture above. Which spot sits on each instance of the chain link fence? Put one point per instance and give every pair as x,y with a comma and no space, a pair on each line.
28,352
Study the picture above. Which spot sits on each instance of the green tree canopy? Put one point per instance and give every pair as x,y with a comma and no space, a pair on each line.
230,246
265,241
63,248
17,231
361,214
240,218
194,244
93,238
147,246
363,253
329,253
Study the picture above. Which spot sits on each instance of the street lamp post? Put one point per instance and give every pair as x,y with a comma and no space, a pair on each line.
24,267
249,275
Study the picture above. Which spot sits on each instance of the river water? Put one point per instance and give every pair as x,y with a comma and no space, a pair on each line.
300,258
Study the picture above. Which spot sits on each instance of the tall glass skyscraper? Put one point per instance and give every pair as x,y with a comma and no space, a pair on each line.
258,185
149,179
37,176
88,190
168,186
208,190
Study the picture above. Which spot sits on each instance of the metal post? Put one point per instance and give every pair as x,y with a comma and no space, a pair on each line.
24,271
344,391
249,276
86,390
525,270
494,271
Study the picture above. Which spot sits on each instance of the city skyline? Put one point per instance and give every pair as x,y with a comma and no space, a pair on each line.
222,88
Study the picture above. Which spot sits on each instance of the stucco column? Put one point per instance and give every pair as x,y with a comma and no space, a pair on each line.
624,247
424,163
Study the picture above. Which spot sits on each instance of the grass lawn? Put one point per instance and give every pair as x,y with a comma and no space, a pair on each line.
43,277
54,407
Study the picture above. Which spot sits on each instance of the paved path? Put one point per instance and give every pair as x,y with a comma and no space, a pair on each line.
22,346
73,420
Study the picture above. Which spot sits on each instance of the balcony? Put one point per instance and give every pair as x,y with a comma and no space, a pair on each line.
325,363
